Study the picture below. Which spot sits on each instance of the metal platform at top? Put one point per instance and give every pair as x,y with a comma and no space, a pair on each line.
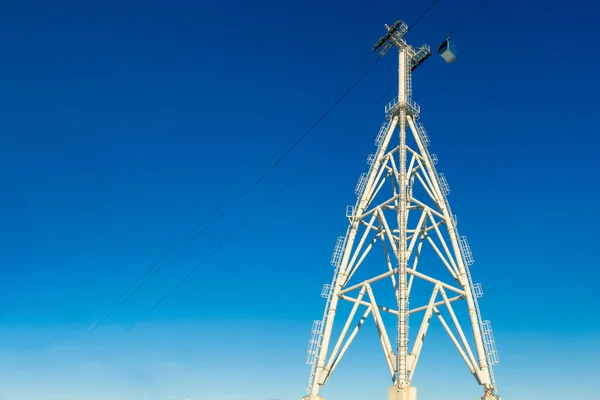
395,37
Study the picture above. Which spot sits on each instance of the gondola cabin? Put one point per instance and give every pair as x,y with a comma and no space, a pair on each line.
447,50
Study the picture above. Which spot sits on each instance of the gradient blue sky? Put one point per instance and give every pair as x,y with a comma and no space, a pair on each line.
124,123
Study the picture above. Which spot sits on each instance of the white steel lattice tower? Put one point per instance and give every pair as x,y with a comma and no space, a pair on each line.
402,205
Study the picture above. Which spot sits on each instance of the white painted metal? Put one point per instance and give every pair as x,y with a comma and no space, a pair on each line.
423,134
407,168
350,212
360,185
490,343
466,251
313,343
478,290
370,159
336,257
326,291
382,131
444,184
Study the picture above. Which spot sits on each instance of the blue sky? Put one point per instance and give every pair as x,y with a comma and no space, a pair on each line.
124,123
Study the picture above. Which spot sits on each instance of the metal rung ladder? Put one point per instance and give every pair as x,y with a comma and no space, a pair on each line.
338,251
423,134
434,159
408,78
371,159
360,185
466,251
314,343
478,290
490,344
444,184
350,210
381,134
326,290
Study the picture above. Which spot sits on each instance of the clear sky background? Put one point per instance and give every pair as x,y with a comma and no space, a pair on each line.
123,124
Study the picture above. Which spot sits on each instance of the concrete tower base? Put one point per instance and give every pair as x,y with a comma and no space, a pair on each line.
409,394
395,394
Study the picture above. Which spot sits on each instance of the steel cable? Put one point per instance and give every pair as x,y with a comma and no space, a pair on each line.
197,231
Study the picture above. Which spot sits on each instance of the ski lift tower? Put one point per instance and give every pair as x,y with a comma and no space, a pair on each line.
402,204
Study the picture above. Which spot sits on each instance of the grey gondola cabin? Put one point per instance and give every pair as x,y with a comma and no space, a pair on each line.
447,51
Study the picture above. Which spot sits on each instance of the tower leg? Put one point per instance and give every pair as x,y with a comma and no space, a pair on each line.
410,393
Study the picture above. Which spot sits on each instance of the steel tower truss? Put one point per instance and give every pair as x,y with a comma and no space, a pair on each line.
413,215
